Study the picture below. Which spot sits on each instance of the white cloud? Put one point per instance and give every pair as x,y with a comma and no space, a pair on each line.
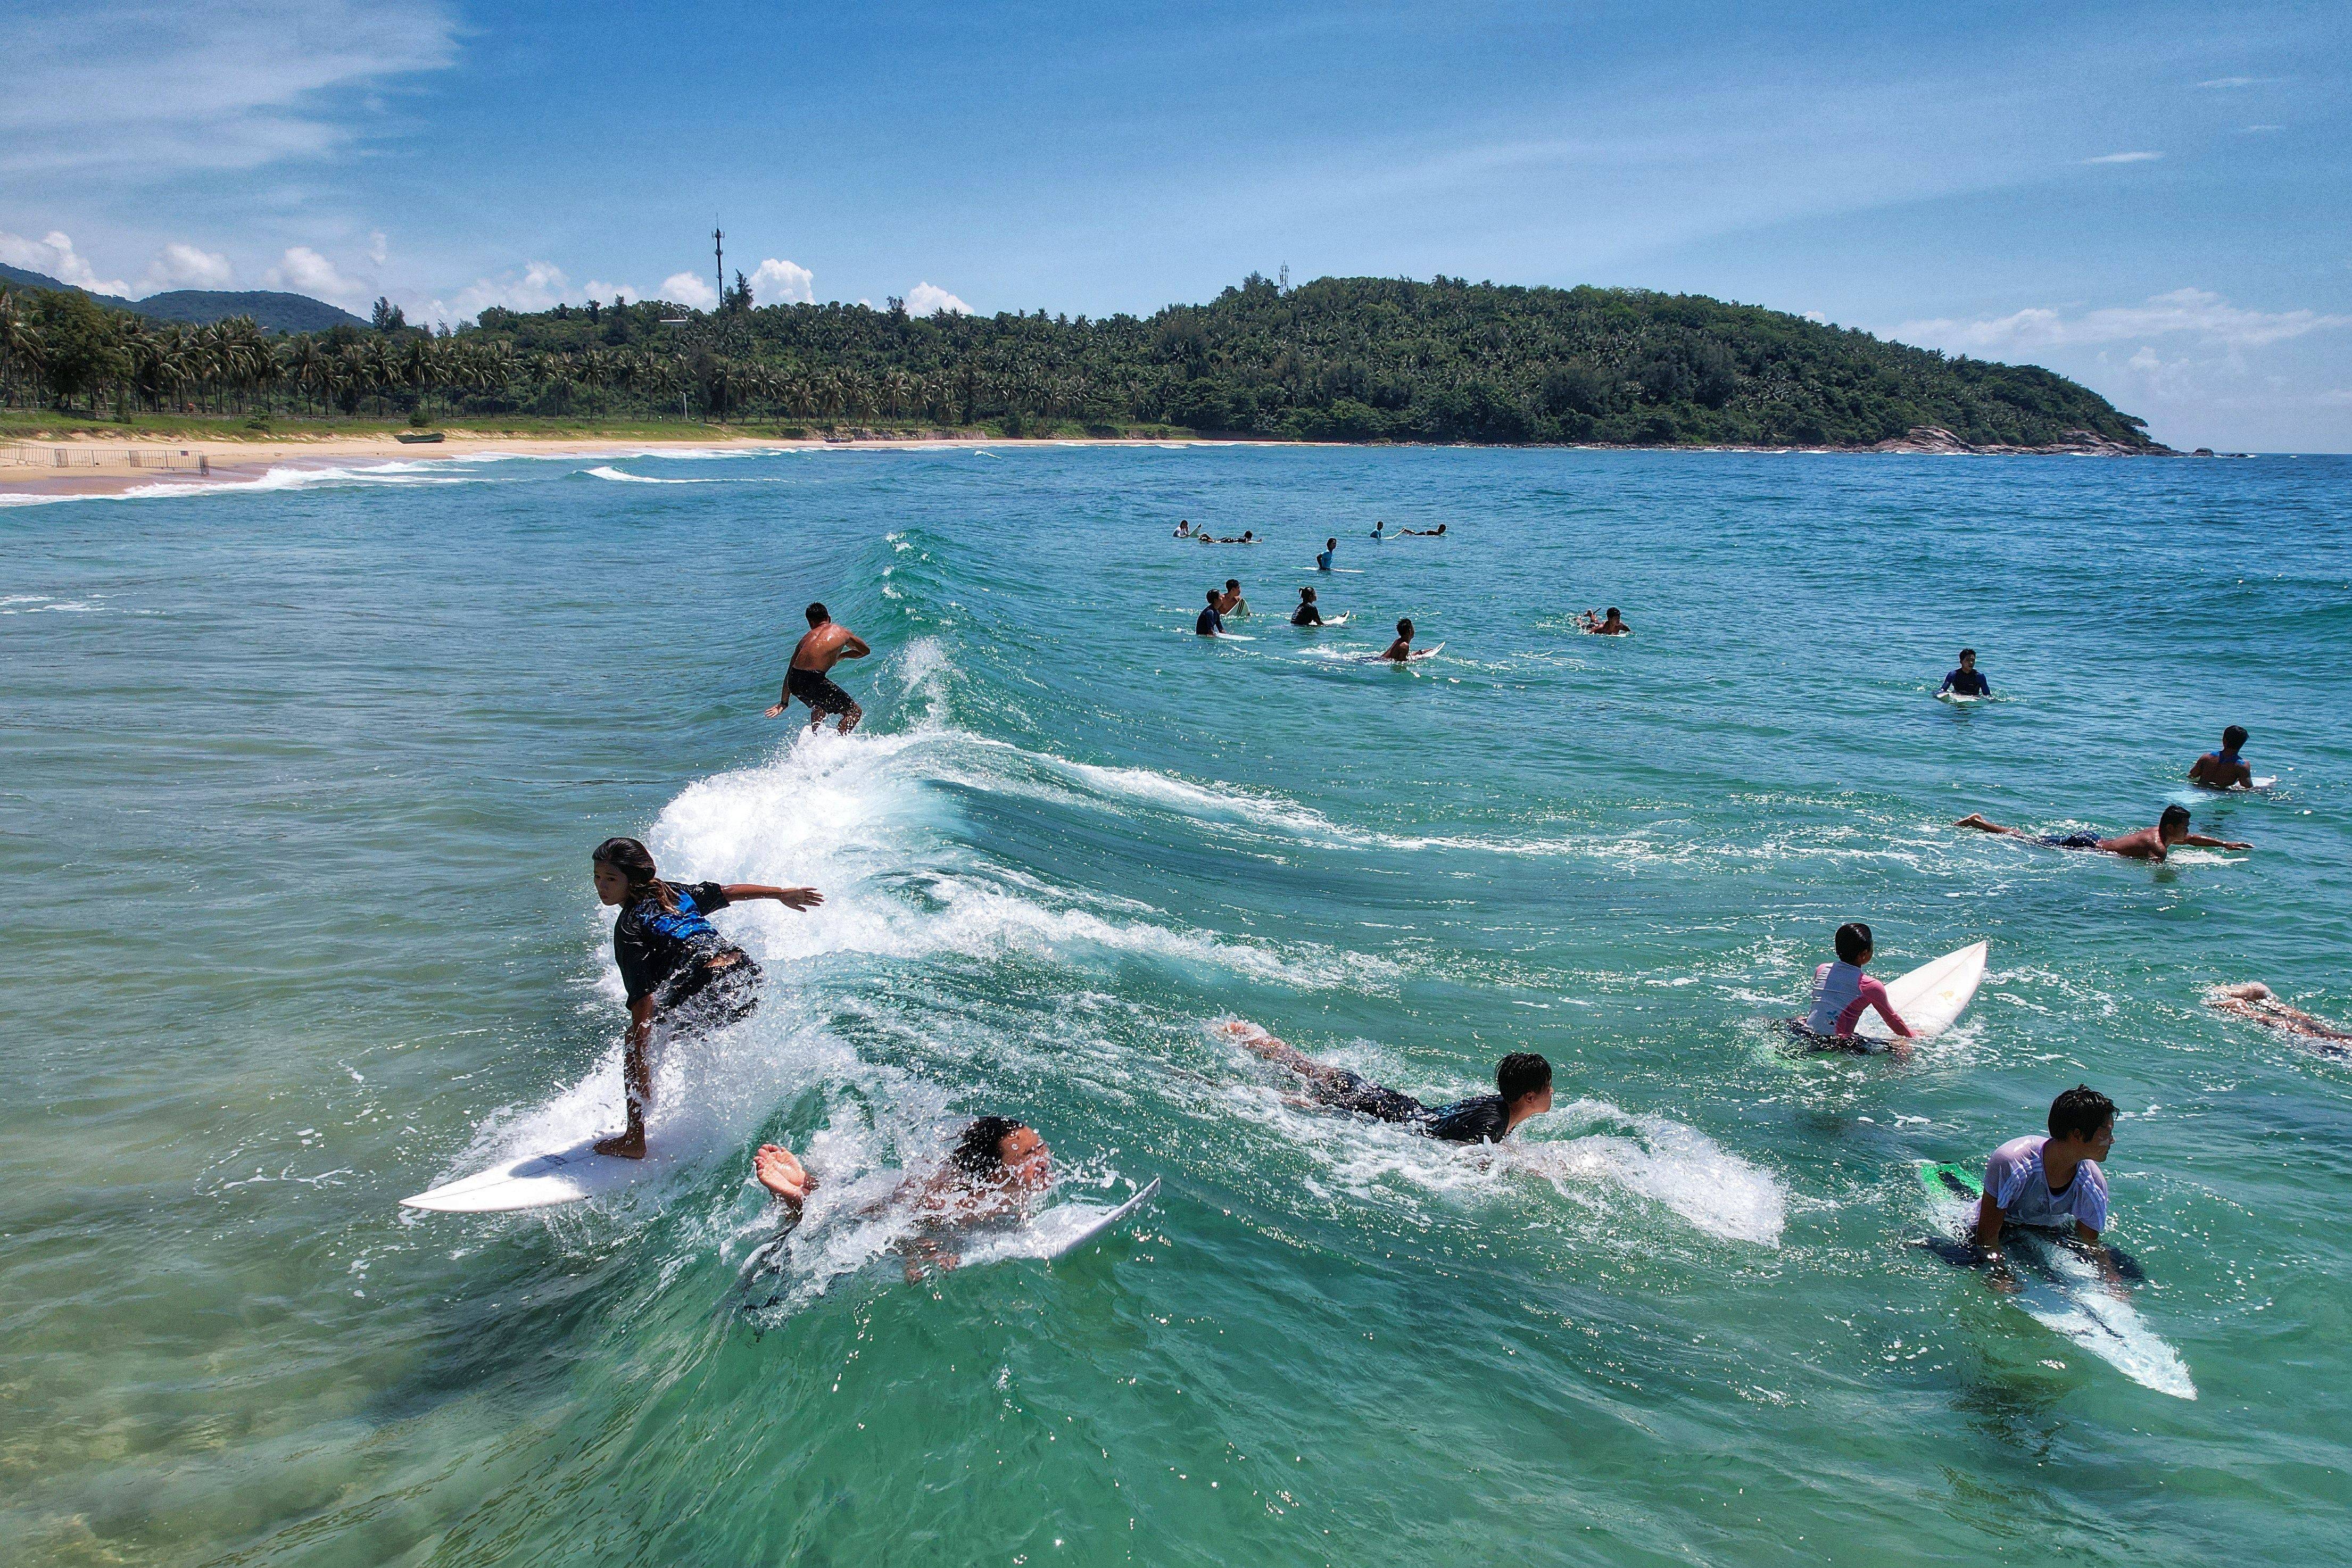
2258,130
534,286
929,298
305,271
56,255
779,282
154,88
379,248
2233,81
2337,397
688,289
595,289
2125,158
182,265
1820,316
2193,311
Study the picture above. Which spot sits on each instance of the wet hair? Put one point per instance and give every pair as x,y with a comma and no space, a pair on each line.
1967,653
1331,544
2080,1112
634,861
1404,627
1854,941
981,1149
1305,593
818,614
2233,738
1520,1074
2174,817
1234,583
1612,609
1213,596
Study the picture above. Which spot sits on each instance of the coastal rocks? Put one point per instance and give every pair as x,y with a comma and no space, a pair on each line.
1935,440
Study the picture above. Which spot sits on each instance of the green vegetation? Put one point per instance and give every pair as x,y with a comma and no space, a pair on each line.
1335,359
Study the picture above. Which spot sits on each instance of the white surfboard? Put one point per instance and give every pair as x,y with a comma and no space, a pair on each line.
539,1180
1066,1227
1960,698
1932,996
2261,781
1340,620
1234,637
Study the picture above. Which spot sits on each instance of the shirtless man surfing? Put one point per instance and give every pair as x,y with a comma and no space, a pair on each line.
2140,844
826,644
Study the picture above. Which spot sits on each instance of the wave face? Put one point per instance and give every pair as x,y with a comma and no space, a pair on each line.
305,776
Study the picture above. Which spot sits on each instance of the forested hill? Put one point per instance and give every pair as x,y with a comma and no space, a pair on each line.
1365,359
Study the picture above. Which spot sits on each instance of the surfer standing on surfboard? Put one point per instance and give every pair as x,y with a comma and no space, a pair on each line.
680,972
825,645
1968,681
2052,1183
1842,992
2140,844
2225,768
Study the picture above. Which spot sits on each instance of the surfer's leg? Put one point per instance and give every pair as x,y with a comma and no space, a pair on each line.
1257,1041
636,1084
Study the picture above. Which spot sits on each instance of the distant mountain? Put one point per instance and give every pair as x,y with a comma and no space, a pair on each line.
273,312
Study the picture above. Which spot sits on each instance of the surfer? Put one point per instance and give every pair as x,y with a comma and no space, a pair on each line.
1210,623
1842,992
1968,681
2255,1001
678,971
2053,1182
1184,529
1231,602
1522,1089
1614,626
996,1165
2225,768
1323,560
2140,844
1401,649
1307,614
825,645
1437,532
1380,530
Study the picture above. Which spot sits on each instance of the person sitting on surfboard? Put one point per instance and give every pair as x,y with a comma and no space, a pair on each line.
1401,649
1209,622
1231,602
997,1165
1842,993
1323,560
1307,614
1522,1089
1614,626
1968,681
678,971
1184,529
2140,844
2053,1182
2256,1001
2225,768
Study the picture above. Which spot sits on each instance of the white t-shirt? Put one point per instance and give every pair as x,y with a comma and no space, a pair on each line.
2015,1180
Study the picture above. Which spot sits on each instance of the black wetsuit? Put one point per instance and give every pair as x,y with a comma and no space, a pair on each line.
697,978
1306,615
1481,1119
1210,623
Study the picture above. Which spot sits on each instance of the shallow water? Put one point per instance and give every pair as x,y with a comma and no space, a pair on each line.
299,787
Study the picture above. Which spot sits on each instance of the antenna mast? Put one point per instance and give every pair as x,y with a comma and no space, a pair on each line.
719,257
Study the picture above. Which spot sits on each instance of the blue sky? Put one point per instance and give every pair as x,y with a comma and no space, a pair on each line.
2153,199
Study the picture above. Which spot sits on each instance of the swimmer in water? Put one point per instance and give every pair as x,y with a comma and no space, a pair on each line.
1307,614
1231,602
1522,1089
2140,844
1614,626
997,1165
2257,1002
1842,992
679,972
1330,549
1210,623
1401,649
825,645
1968,681
2225,768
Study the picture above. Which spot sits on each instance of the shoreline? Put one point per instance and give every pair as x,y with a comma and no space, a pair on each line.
234,464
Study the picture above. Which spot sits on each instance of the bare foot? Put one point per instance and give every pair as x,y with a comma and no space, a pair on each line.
778,1170
628,1145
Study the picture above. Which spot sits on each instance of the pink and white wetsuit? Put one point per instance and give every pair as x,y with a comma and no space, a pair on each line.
1841,990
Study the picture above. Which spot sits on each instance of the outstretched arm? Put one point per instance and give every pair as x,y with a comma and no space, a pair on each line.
1975,820
796,897
2202,843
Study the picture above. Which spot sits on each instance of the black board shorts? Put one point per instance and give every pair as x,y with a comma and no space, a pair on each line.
2069,841
818,692
706,997
1345,1091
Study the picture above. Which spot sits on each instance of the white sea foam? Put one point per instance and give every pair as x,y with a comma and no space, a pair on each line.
622,477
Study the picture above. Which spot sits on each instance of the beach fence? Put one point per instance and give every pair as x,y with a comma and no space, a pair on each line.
30,455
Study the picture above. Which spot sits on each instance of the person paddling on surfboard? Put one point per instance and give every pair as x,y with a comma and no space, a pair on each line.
2225,768
825,645
2053,1182
678,971
1522,1089
2140,844
1401,649
1307,614
2256,1001
997,1165
1613,626
1968,681
1842,993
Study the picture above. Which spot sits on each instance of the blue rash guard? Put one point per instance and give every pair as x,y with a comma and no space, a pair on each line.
1966,683
1323,561
1210,623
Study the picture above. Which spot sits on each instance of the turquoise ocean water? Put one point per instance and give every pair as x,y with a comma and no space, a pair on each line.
299,786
